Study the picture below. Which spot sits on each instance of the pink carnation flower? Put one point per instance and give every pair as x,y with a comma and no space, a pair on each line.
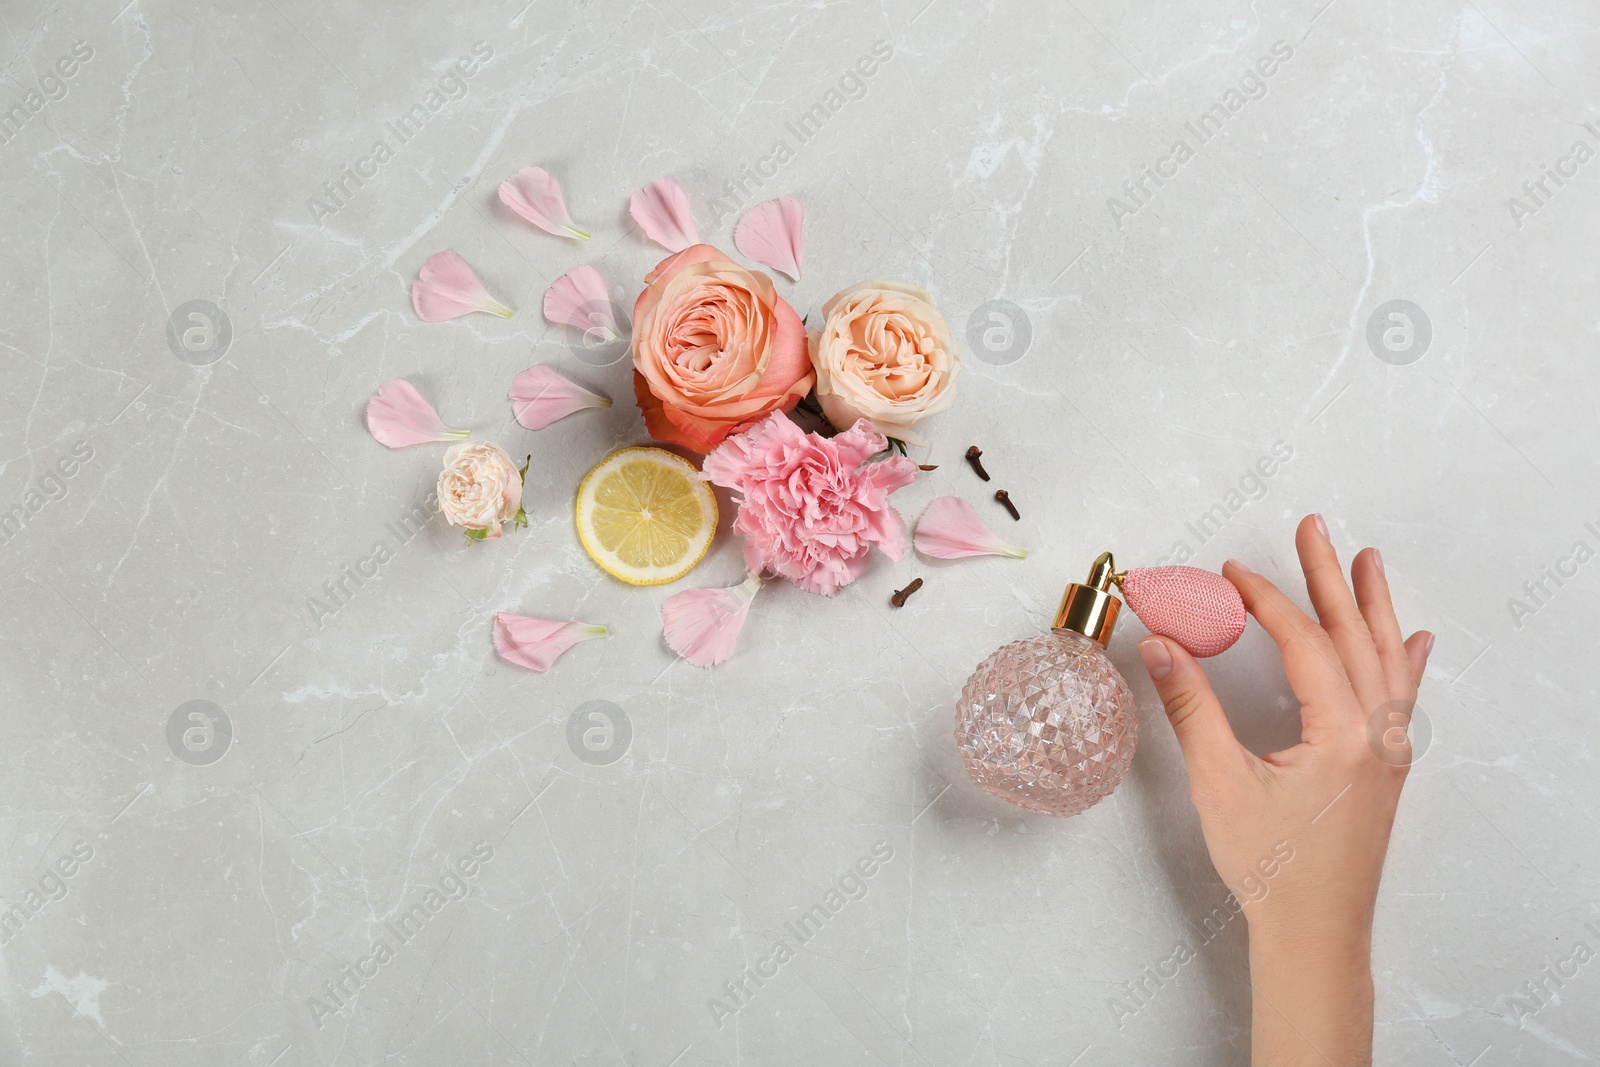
811,507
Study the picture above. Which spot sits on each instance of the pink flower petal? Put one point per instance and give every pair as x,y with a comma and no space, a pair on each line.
446,288
537,643
540,395
702,625
579,299
532,193
398,416
950,529
662,210
769,233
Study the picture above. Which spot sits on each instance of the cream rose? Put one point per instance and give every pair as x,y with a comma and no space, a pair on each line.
480,488
886,355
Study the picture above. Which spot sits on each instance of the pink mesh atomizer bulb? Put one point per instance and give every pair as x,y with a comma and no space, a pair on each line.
1047,723
1200,610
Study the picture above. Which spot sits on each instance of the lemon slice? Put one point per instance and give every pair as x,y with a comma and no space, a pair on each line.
645,516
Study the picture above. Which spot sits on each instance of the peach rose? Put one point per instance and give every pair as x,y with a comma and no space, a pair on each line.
886,355
714,349
480,488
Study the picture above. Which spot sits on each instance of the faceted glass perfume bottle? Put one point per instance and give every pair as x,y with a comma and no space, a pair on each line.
1047,723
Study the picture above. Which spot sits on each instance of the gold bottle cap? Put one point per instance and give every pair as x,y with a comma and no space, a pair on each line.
1088,608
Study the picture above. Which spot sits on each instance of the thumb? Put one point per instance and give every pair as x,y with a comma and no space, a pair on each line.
1197,718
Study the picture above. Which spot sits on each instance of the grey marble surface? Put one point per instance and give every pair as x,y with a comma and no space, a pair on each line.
1184,323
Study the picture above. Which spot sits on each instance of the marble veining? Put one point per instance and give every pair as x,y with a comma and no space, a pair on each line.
1214,266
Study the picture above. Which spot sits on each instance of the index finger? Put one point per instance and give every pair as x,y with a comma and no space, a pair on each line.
1310,661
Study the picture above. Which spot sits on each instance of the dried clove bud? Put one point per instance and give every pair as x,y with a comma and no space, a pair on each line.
1005,500
974,457
900,595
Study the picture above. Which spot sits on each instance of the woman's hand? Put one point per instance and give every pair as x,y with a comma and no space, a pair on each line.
1300,836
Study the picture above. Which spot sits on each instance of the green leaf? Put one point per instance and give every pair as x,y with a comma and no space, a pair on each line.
476,535
520,518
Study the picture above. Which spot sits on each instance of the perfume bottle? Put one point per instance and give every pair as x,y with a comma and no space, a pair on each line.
1047,723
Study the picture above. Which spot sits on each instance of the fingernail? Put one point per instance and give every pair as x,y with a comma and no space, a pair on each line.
1377,557
1428,651
1241,566
1157,660
1322,527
